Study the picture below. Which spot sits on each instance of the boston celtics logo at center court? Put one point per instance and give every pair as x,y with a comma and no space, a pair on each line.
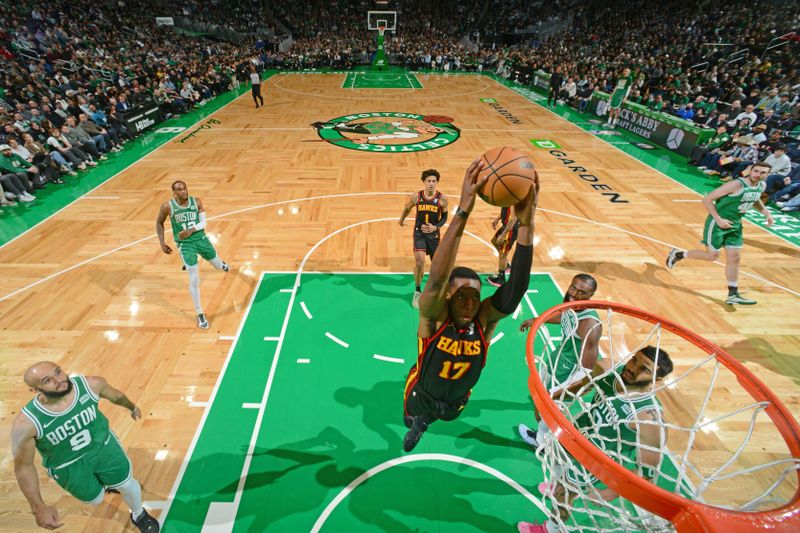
388,132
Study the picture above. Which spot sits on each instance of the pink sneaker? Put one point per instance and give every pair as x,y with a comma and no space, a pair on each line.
530,527
545,488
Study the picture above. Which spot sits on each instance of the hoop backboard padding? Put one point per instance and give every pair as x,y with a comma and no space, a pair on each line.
387,18
686,515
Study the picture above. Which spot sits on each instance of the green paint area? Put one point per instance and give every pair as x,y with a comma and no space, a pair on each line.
334,413
381,80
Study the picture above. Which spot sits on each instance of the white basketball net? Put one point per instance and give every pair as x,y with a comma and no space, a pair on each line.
713,433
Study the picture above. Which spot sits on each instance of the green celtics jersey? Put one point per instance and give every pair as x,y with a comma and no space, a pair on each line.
733,206
624,83
183,218
611,411
565,360
63,438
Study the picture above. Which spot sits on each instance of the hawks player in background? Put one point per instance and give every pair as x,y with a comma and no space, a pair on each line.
621,90
78,449
431,208
503,239
188,220
726,205
454,324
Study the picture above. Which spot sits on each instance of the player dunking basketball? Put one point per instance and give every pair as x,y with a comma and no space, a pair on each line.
431,208
188,220
454,324
504,238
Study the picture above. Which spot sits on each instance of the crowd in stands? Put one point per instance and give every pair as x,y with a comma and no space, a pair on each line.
73,68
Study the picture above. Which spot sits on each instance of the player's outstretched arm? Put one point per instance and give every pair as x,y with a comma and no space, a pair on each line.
102,388
652,437
410,202
590,331
432,302
508,296
23,448
163,213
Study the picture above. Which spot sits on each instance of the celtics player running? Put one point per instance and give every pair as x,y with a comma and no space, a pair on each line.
726,206
624,419
577,354
80,453
454,324
621,90
431,215
188,221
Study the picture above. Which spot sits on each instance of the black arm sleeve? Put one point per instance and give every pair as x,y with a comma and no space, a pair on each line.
509,295
442,220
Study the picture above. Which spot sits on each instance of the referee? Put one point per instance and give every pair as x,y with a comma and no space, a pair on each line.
556,81
255,80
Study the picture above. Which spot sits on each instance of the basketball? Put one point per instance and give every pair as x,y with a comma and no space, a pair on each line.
511,175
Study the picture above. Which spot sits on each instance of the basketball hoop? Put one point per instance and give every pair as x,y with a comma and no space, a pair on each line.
566,452
381,29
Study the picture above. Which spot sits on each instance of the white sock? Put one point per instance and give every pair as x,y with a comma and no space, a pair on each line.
194,287
131,492
217,263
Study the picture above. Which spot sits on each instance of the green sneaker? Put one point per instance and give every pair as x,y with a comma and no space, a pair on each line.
739,299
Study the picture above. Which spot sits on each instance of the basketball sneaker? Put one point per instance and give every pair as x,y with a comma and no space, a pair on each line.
226,267
530,527
672,258
408,421
415,300
146,523
737,298
528,435
202,323
497,279
411,439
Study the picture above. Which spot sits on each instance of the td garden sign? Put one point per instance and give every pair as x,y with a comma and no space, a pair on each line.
388,132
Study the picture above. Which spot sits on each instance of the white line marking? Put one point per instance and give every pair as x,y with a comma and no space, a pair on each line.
517,312
496,338
535,291
226,337
251,406
305,310
98,197
287,290
230,213
168,141
336,339
219,518
210,402
272,339
198,404
154,504
303,361
372,472
389,359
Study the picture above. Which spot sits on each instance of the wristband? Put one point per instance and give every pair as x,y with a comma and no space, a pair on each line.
461,213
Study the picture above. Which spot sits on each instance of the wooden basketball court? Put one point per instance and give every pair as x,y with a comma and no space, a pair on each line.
90,288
